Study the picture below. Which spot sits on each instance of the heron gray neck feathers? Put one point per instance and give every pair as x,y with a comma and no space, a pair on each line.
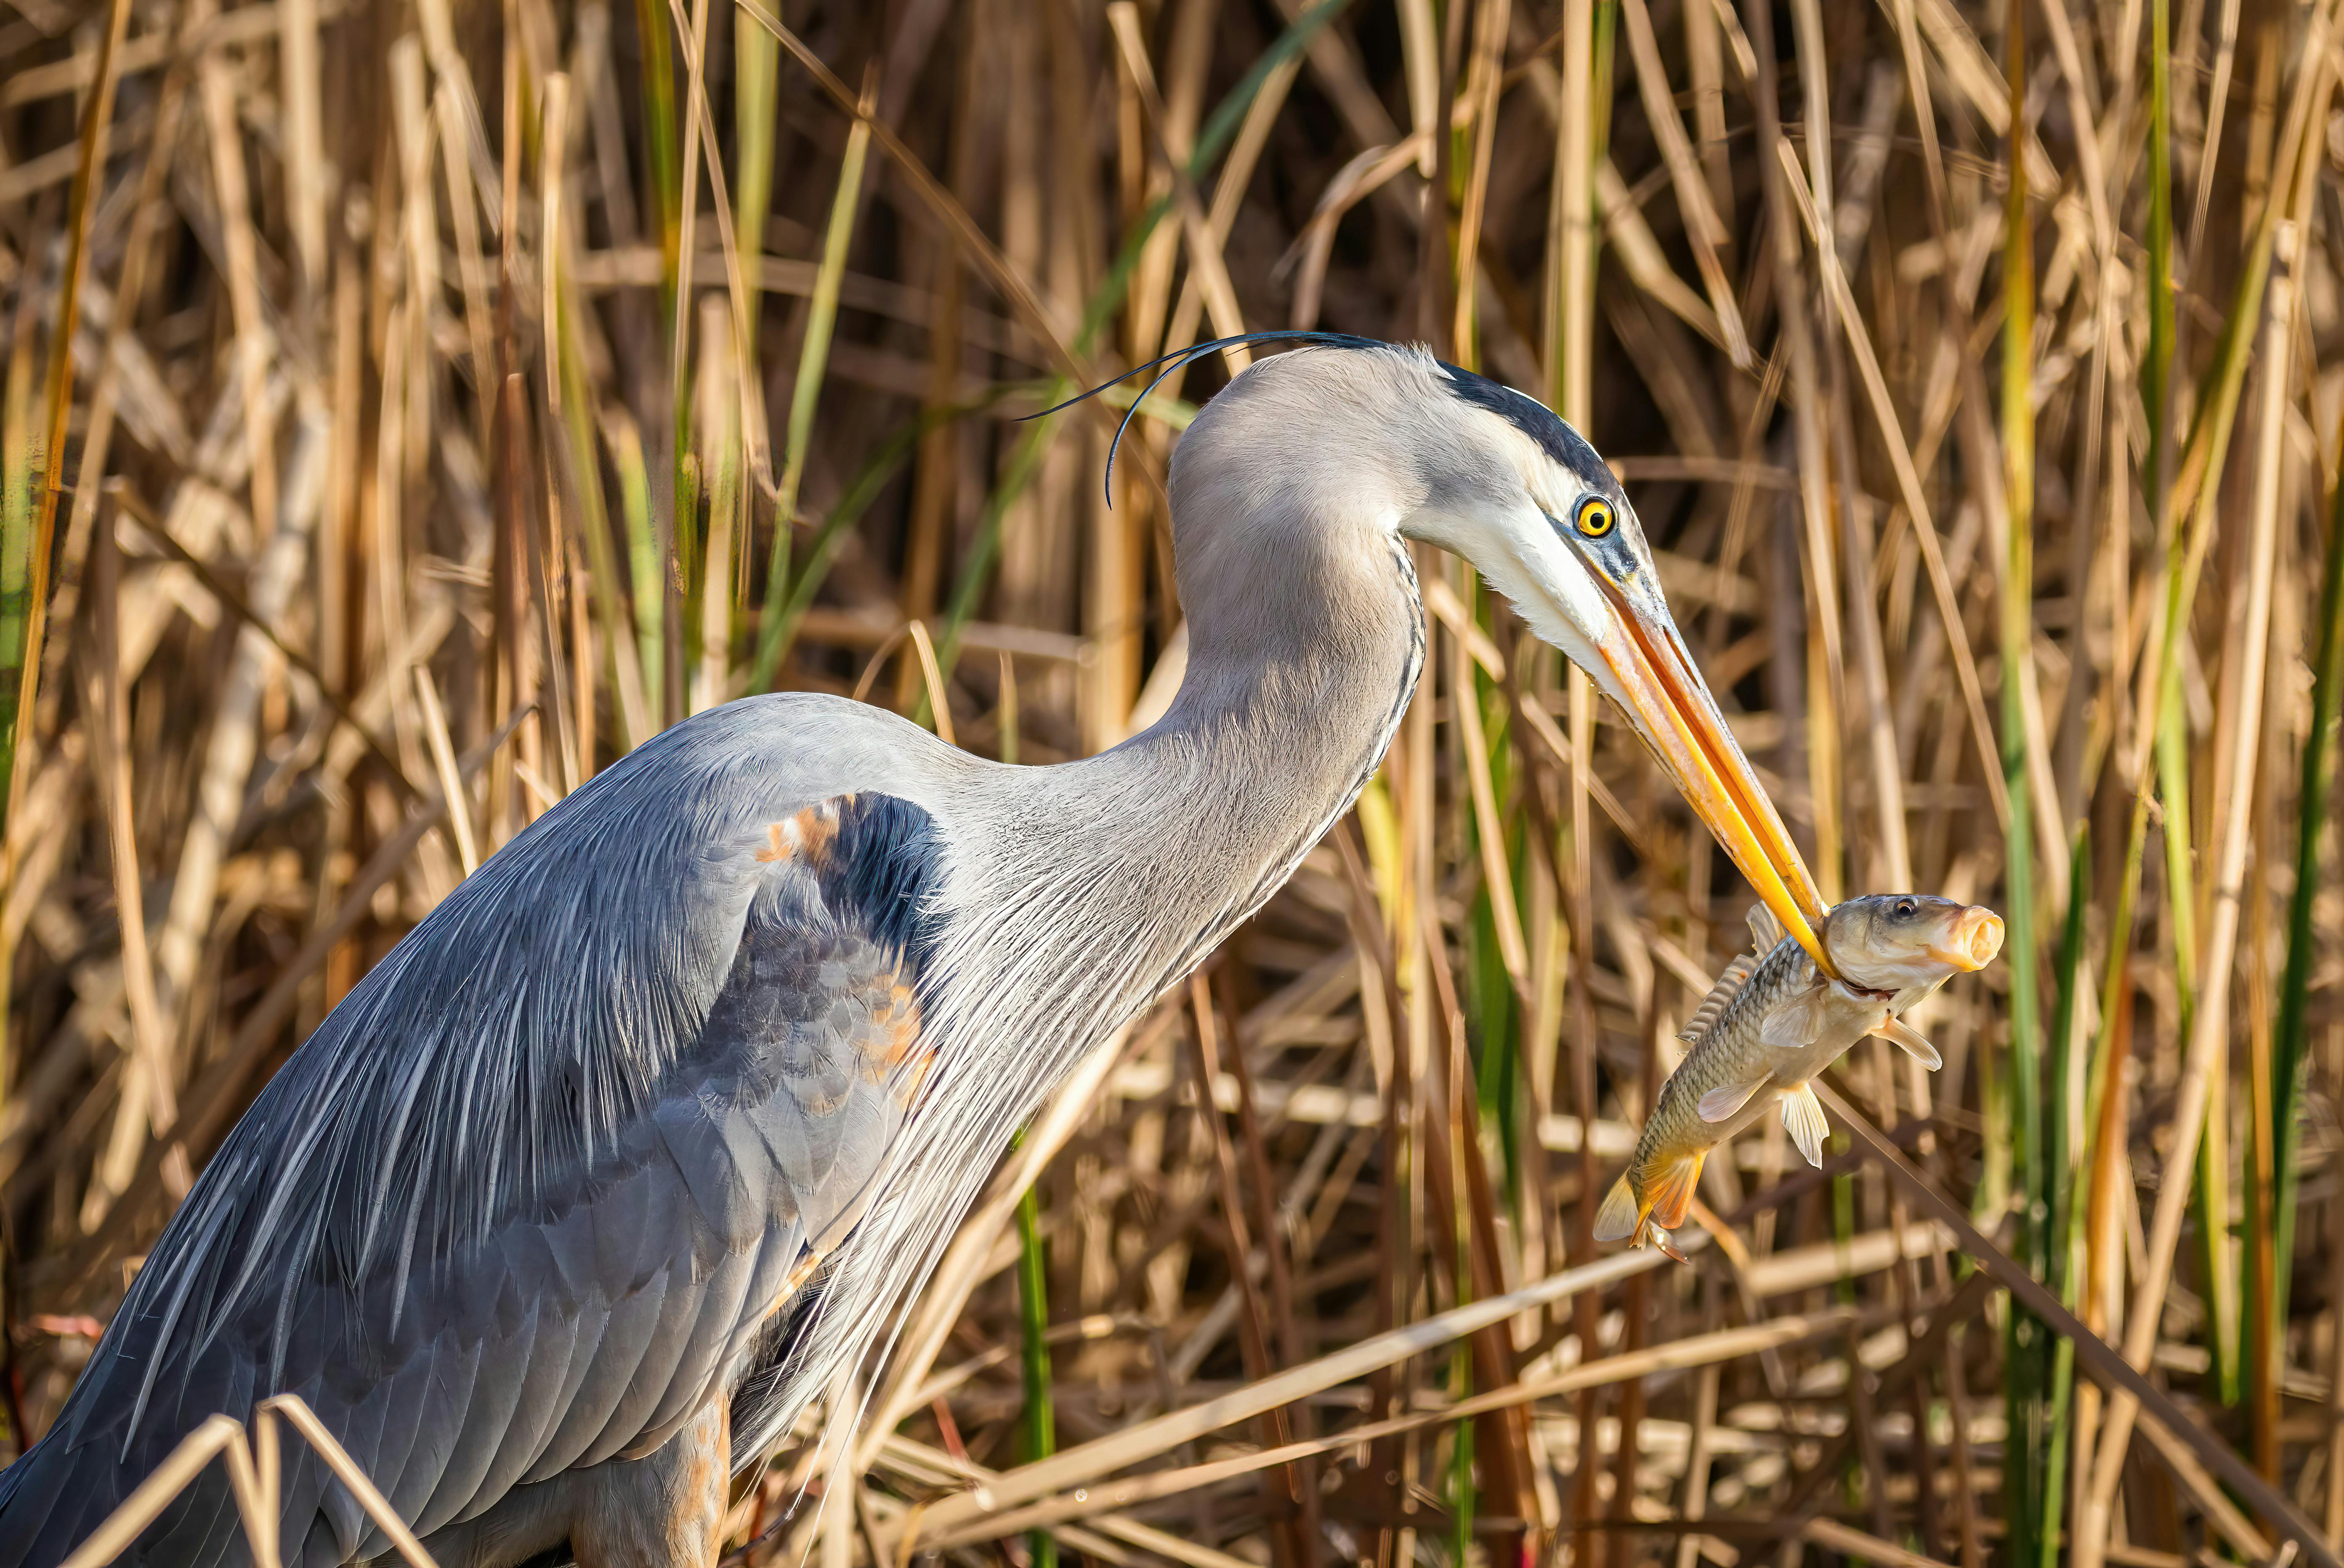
1304,644
1080,891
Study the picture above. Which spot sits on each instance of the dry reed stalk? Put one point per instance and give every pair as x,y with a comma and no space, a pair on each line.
1706,1350
2236,789
251,1458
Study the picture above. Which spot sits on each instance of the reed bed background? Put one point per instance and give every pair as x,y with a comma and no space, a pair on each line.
457,395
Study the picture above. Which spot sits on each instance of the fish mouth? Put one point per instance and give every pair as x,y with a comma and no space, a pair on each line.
1976,940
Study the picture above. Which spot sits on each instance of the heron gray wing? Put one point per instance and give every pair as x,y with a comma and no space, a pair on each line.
537,1189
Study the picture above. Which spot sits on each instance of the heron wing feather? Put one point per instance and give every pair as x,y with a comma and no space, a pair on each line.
546,1181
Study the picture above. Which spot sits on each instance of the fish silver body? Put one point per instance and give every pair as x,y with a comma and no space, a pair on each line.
1773,1022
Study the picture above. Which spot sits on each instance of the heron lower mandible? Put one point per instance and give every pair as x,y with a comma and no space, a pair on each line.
636,1143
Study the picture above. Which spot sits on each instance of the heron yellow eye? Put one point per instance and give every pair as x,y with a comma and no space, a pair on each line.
1595,517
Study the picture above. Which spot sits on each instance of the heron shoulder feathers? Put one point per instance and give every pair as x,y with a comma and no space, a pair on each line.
548,1172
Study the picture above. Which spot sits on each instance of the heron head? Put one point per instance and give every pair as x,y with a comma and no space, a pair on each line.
1354,426
1514,489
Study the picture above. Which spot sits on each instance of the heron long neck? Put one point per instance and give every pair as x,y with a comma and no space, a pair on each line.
1077,893
1306,638
1296,680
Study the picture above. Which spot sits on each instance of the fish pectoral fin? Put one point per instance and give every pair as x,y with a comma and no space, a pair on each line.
1618,1220
1720,1103
1911,1041
1765,929
1803,1119
1797,1022
1671,1187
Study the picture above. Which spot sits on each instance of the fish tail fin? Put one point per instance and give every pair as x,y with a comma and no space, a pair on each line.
1620,1218
1671,1186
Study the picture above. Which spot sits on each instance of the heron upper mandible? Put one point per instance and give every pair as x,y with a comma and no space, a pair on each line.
624,1153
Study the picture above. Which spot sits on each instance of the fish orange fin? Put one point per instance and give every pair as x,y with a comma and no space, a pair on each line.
1672,1188
1766,930
1729,982
1911,1041
1617,1219
1803,1119
1797,1022
1720,1103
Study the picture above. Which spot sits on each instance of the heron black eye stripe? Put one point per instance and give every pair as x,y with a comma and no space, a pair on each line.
1542,424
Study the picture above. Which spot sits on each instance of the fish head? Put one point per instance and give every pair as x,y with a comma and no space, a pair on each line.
1889,941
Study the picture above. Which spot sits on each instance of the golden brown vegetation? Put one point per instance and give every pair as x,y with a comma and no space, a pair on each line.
457,395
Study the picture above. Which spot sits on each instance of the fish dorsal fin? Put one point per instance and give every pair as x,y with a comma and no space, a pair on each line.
1730,981
1768,930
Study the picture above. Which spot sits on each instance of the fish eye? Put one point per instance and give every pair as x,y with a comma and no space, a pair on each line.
1906,909
1595,518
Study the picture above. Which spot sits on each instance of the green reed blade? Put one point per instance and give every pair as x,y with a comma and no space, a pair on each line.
2063,1138
1461,1495
2157,365
2028,1378
2290,1045
2018,628
576,446
20,461
2057,1205
2060,1423
862,490
2156,379
666,153
727,482
2200,475
626,444
814,361
756,93
1038,1435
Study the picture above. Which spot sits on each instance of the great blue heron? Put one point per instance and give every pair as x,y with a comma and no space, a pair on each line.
623,1153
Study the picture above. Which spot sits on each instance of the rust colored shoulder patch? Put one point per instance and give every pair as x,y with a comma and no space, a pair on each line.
805,837
803,1269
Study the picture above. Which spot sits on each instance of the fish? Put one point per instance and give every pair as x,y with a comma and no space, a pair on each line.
1774,1021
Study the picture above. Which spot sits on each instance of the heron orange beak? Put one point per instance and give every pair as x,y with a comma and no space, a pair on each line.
1672,707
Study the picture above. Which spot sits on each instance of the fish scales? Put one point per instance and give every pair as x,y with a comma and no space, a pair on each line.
1729,1050
1774,1020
